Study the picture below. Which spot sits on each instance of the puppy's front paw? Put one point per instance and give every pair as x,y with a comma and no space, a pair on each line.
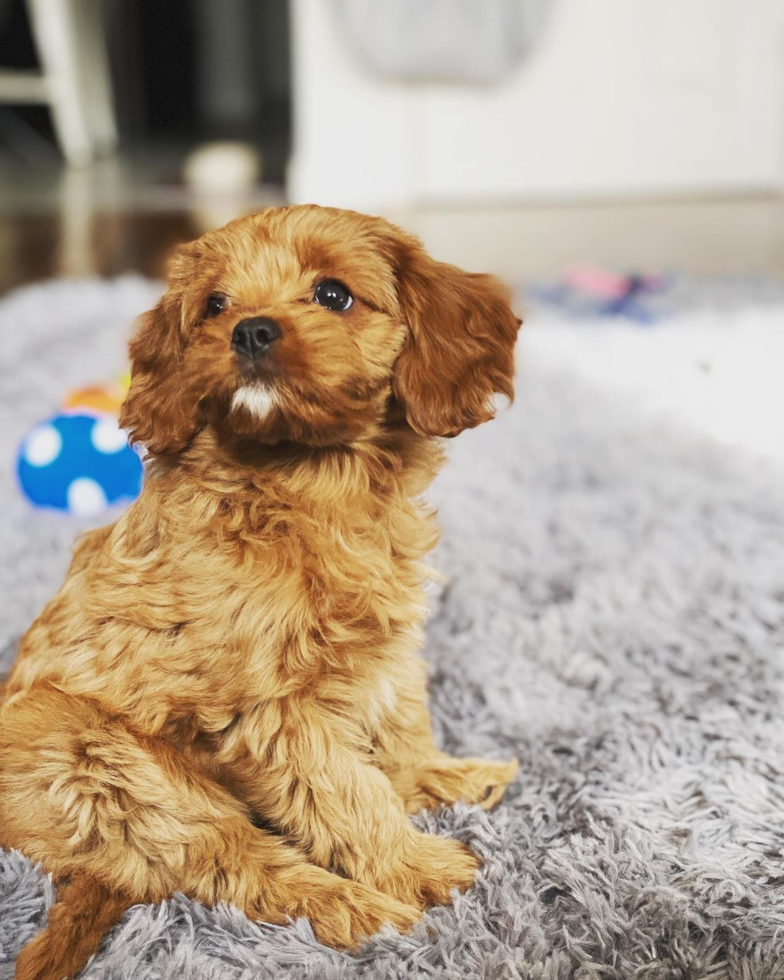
347,913
445,781
486,781
433,866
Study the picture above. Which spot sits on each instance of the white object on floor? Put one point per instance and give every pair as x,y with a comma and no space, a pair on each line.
221,175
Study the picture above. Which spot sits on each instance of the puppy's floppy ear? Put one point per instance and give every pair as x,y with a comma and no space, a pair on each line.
160,410
459,350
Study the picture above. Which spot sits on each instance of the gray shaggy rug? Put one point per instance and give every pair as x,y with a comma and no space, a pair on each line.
613,615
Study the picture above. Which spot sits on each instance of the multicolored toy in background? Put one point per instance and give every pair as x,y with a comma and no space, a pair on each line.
79,460
588,291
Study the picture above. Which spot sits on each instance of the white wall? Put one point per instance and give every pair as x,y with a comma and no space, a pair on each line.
622,98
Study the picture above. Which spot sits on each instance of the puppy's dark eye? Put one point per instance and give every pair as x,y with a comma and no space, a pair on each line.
216,303
333,295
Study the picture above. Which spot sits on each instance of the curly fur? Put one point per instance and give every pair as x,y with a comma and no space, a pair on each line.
224,699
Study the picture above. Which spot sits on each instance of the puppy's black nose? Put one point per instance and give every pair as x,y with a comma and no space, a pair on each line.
253,336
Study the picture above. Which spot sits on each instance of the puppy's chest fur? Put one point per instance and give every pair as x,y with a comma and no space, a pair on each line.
217,604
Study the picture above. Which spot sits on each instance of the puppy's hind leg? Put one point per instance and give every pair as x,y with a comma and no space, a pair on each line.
86,797
85,909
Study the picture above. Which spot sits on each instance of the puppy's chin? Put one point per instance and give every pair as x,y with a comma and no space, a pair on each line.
256,399
254,412
260,412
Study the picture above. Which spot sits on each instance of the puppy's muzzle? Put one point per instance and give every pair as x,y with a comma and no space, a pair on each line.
252,337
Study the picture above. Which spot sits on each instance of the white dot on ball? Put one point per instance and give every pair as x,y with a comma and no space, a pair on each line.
108,437
42,446
85,497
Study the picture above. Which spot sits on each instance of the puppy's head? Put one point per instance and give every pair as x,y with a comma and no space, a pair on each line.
312,325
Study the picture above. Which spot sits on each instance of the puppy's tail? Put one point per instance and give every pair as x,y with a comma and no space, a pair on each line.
82,914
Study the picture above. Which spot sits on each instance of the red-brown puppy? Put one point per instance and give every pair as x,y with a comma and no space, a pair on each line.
239,651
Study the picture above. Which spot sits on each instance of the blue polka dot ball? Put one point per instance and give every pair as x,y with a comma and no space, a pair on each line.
79,463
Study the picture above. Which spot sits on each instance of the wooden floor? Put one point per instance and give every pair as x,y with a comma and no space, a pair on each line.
43,246
119,215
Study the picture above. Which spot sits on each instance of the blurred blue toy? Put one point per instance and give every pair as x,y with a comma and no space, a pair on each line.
79,463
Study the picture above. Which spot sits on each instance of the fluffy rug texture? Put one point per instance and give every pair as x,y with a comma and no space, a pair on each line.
612,614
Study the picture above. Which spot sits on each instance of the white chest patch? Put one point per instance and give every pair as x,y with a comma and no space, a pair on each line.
257,399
